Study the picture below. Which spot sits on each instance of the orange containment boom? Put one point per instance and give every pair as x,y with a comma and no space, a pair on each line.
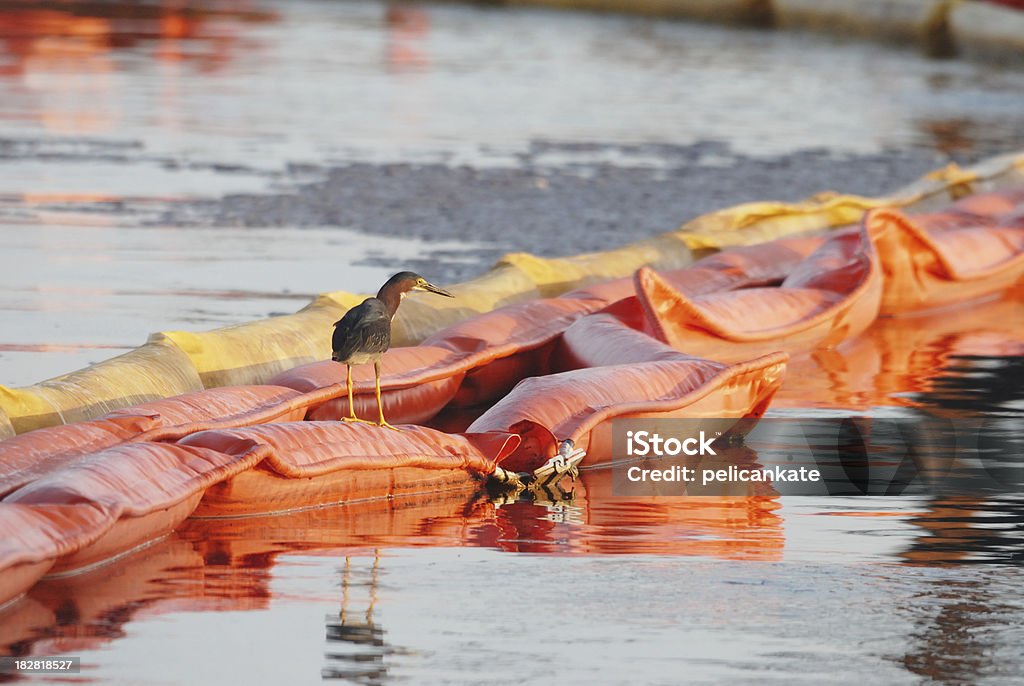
34,454
305,464
33,537
144,489
579,405
832,295
971,250
639,377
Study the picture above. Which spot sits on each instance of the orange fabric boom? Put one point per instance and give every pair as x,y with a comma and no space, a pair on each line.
614,336
974,249
34,454
412,388
145,489
764,264
33,537
579,404
306,464
832,295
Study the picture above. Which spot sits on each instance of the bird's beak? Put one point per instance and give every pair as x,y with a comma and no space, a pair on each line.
436,289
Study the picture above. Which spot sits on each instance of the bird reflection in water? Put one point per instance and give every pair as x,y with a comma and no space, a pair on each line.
357,648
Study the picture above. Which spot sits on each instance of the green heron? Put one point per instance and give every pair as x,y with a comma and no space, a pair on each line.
364,333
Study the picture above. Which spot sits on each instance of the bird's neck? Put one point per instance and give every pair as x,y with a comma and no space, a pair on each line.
391,301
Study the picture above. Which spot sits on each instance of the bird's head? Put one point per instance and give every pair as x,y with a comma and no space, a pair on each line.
403,282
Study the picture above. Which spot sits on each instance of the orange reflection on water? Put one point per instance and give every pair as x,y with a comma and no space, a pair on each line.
53,198
86,611
64,52
407,30
901,355
227,564
736,527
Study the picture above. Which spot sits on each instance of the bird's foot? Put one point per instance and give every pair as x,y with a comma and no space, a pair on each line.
384,425
356,420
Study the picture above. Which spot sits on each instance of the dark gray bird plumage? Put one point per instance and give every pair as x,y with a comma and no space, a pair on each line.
363,334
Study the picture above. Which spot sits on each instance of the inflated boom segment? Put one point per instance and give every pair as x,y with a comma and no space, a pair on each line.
37,453
974,249
832,295
307,464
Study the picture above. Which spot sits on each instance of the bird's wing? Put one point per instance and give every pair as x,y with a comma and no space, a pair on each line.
362,329
352,316
376,338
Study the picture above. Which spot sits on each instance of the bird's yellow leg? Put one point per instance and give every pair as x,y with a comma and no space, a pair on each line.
380,405
351,403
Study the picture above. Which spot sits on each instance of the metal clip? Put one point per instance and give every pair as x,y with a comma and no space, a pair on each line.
565,463
509,485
